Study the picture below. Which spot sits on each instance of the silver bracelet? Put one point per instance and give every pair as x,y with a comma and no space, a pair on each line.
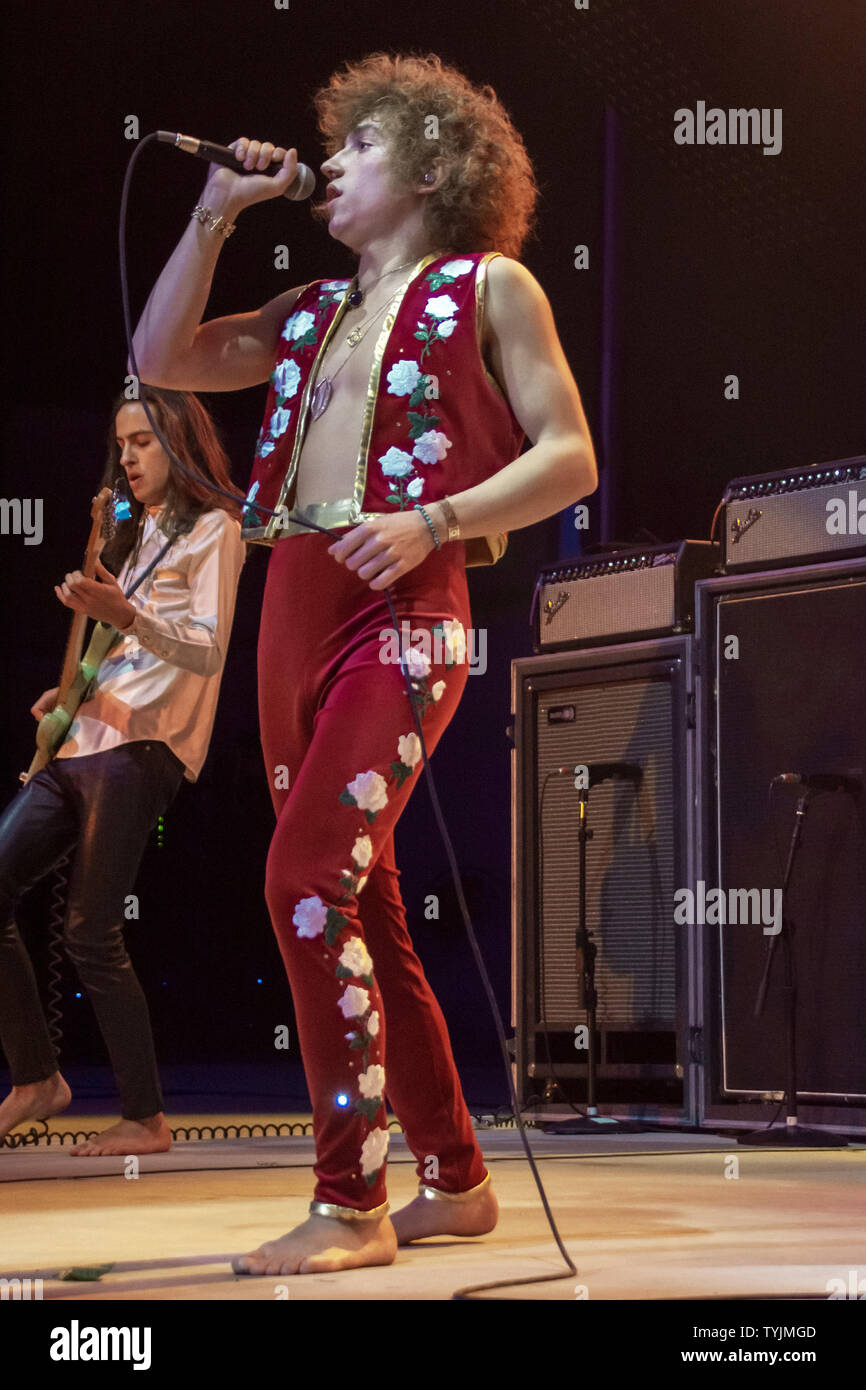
216,224
420,509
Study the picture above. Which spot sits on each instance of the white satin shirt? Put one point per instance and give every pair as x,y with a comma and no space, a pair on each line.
162,680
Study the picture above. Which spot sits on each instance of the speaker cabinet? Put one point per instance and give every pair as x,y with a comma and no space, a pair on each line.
782,688
630,704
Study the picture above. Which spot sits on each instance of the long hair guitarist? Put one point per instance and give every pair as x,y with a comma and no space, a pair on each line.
143,726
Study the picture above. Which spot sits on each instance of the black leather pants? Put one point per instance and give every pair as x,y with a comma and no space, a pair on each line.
101,809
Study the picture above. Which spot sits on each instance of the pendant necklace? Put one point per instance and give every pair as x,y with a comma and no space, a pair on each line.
321,397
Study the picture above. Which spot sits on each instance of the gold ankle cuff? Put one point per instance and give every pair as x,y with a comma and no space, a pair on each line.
348,1213
435,1195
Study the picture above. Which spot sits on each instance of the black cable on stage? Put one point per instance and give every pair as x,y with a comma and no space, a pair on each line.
463,1293
56,919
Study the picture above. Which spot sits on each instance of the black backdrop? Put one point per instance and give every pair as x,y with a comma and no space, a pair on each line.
730,261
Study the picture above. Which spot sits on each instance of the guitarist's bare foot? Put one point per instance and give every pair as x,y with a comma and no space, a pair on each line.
33,1102
151,1136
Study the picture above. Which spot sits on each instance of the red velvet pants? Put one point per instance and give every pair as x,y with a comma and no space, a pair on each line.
342,759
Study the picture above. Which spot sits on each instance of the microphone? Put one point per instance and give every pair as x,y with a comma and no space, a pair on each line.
300,187
822,782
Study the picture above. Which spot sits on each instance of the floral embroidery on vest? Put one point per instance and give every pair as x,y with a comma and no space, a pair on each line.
406,378
300,330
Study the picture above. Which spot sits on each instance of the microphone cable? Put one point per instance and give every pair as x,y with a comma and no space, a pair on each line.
467,1292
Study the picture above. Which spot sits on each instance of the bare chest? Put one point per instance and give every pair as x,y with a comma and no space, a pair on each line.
329,451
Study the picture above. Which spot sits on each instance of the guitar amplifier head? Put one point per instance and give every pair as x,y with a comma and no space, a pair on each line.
804,514
620,595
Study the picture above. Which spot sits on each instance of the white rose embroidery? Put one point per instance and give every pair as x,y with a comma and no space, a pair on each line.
280,421
355,1002
361,882
431,446
373,1150
447,328
396,463
355,958
438,690
455,268
287,375
416,487
309,917
362,851
409,749
403,378
371,1082
370,791
267,448
297,325
373,1024
417,663
455,639
441,306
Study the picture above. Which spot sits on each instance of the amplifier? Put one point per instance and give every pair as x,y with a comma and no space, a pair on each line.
802,515
620,595
628,703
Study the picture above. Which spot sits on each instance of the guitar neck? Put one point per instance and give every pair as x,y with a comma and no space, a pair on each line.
78,626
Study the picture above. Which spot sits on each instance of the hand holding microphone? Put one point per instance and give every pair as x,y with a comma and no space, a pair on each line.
238,170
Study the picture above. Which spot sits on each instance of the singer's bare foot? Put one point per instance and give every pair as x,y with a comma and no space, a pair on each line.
321,1245
423,1217
33,1102
151,1136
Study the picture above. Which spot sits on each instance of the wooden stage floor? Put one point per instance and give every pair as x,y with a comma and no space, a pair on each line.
643,1216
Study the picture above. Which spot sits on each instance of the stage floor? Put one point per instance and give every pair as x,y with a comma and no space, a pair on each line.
643,1216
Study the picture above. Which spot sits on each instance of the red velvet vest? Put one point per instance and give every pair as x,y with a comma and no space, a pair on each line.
435,423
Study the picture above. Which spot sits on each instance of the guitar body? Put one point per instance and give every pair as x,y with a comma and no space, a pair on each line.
78,673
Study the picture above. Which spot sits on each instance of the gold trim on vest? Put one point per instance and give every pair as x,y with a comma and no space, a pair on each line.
373,382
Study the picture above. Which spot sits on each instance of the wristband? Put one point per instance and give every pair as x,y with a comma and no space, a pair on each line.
450,518
420,509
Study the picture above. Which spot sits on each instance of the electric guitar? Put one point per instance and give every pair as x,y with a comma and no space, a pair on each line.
78,672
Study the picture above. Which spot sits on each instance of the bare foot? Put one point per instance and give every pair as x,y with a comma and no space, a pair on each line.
321,1245
151,1136
423,1217
34,1102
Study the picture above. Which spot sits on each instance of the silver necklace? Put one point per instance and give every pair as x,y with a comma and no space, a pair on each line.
321,397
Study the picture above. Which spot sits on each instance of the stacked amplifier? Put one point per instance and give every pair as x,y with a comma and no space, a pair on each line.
664,657
615,597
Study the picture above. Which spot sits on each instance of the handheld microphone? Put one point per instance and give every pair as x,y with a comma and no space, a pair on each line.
822,782
300,187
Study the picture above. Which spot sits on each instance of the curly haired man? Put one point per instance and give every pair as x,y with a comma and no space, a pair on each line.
398,404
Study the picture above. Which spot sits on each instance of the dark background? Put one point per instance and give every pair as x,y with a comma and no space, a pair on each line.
729,261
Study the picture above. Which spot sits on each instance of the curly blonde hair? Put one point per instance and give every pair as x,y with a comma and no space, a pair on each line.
487,200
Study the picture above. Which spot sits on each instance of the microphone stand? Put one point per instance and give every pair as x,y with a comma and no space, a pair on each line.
585,952
794,1135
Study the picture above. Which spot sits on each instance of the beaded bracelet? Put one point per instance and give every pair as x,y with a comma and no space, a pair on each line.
420,509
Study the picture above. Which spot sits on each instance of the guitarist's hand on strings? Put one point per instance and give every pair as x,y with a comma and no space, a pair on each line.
100,599
45,703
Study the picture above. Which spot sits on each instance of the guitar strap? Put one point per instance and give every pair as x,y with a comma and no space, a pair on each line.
152,566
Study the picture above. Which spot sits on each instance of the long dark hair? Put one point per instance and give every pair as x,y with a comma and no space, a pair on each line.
192,435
